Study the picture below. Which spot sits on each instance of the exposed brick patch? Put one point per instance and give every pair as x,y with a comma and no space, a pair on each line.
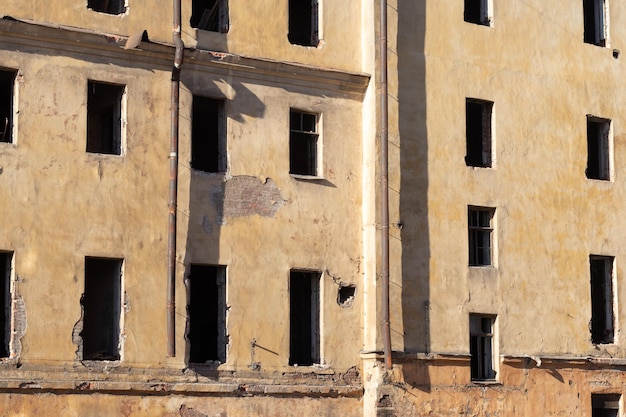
190,412
385,407
246,196
352,376
19,324
77,330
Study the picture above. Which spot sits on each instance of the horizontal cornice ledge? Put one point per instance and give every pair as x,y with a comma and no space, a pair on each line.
40,35
572,360
279,72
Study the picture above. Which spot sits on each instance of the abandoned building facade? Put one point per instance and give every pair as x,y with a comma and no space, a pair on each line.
237,208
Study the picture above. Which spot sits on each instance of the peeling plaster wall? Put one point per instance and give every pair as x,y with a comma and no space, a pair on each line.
67,204
108,206
80,405
255,219
544,80
260,221
443,389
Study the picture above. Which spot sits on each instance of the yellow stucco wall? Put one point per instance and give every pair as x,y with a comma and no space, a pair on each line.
257,29
68,204
544,80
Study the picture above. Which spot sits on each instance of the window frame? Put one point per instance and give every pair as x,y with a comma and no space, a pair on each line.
604,303
601,403
312,322
313,36
311,151
6,349
7,134
103,7
218,24
475,231
218,146
483,365
115,145
219,299
478,12
596,22
117,328
479,149
599,154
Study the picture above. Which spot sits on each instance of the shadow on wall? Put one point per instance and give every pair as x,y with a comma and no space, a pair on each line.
414,182
213,197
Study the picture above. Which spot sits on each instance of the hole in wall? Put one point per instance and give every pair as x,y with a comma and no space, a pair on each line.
345,295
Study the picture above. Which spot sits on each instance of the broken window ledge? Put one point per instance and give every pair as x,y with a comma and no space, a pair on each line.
9,362
316,368
208,365
102,365
200,171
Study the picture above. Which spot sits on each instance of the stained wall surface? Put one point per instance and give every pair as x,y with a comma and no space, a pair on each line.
544,80
257,29
255,219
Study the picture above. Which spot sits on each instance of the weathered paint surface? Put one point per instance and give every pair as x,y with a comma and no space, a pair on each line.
256,28
63,204
544,81
255,218
87,405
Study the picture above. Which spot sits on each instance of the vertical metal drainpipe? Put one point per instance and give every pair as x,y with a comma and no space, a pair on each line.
384,184
173,189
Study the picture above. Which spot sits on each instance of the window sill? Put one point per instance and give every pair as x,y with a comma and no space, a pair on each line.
307,177
200,171
486,382
105,155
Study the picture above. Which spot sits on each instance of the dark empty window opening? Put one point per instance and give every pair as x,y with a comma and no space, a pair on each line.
480,235
207,314
5,296
598,145
345,295
478,132
481,347
104,118
595,22
102,308
303,139
7,85
211,15
477,11
208,138
107,6
605,405
304,329
602,322
303,22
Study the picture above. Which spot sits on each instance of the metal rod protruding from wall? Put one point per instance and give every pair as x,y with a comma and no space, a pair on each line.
173,188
